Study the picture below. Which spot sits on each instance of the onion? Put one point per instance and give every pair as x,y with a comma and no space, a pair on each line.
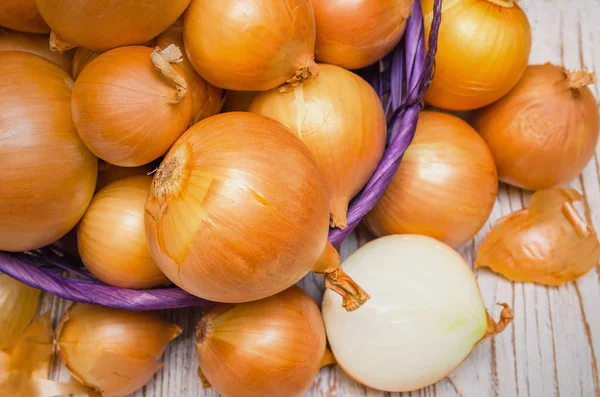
111,238
445,187
47,174
271,347
238,211
18,305
483,50
238,101
425,317
251,45
207,100
113,350
544,132
36,44
81,58
108,173
104,24
22,15
354,34
130,104
341,120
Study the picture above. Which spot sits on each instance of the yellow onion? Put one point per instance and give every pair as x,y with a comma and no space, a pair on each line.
238,101
130,104
340,119
238,211
271,347
113,350
544,132
18,305
104,24
483,50
36,44
445,187
251,45
109,173
81,57
111,238
354,34
207,100
22,15
47,174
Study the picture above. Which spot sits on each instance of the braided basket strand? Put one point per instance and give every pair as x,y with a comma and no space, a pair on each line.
400,80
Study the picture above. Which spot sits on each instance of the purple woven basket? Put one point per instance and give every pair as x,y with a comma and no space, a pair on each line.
400,80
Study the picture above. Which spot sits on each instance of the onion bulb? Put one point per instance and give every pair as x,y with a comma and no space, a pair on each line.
109,173
251,45
425,317
354,34
22,15
130,104
238,101
207,100
544,132
47,175
113,350
18,305
445,187
271,347
36,44
104,24
81,58
341,120
238,211
483,50
111,238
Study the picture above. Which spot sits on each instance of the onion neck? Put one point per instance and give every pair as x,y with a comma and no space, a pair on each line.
506,317
302,74
58,44
504,3
339,209
578,79
162,60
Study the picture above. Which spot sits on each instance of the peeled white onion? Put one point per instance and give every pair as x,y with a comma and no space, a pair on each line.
424,317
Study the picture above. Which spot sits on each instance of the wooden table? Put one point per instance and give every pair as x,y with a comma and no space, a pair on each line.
553,345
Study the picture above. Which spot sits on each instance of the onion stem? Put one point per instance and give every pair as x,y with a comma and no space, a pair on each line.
506,317
302,74
58,44
578,79
162,59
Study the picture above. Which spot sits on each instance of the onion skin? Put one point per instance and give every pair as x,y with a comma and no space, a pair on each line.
545,131
125,110
354,34
495,38
36,44
340,119
18,305
48,175
271,347
22,15
81,58
445,187
265,44
101,25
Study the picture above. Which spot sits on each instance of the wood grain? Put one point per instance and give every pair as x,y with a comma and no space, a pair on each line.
553,346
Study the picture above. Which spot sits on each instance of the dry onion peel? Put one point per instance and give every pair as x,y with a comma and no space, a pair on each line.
36,44
18,305
22,15
547,243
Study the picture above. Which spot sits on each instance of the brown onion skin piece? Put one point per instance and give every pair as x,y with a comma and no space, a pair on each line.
22,15
36,44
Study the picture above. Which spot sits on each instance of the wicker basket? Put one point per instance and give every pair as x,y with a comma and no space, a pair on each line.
400,80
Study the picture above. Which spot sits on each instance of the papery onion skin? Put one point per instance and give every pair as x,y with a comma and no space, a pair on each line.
111,237
125,110
548,243
445,187
113,350
18,305
36,44
271,347
265,44
340,118
544,132
483,50
105,24
354,34
48,175
22,15
81,57
425,316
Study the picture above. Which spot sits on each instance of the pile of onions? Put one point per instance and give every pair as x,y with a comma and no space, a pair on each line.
37,44
340,119
130,104
22,15
113,350
81,58
544,132
445,187
207,100
251,45
18,305
483,50
111,238
271,347
104,24
355,34
47,175
425,317
239,211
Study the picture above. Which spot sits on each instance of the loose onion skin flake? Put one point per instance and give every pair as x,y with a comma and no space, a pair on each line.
22,15
18,305
547,243
36,44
